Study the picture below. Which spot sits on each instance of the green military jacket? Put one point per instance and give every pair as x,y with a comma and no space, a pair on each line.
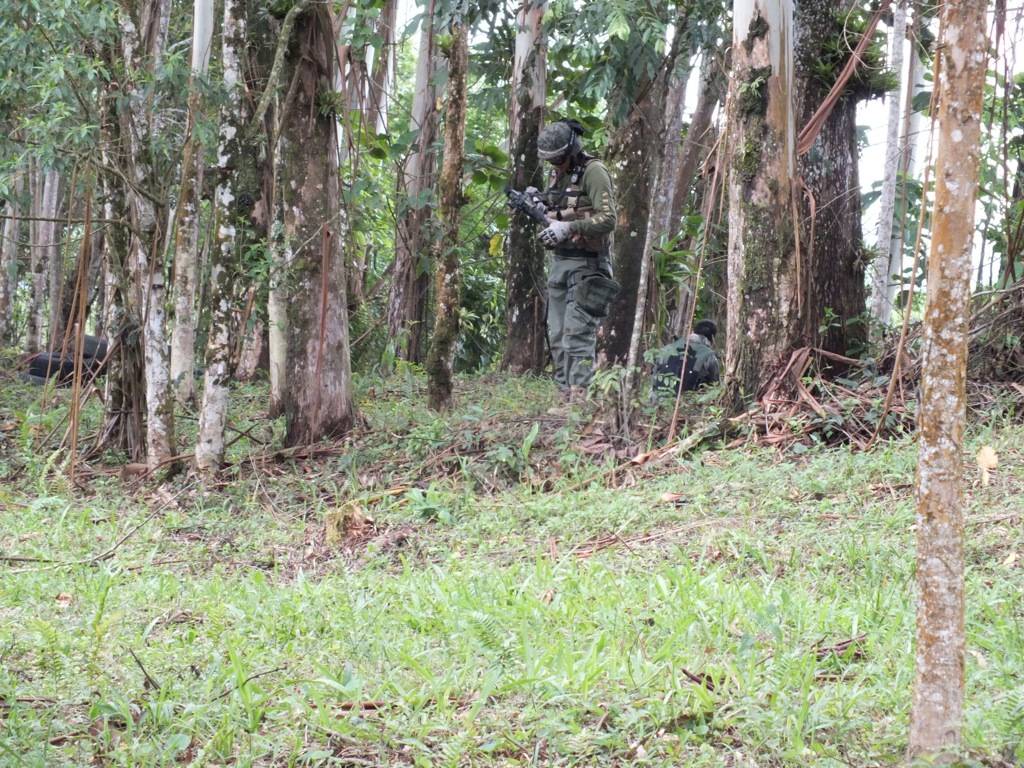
585,197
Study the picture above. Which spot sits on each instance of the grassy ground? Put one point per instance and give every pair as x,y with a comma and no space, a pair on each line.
480,590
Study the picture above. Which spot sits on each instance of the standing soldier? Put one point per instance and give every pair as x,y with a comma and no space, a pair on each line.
580,205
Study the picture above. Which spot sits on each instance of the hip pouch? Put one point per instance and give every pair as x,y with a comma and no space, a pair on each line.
595,292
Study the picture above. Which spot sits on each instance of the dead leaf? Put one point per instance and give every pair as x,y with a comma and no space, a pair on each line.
64,598
987,461
1009,560
345,522
670,498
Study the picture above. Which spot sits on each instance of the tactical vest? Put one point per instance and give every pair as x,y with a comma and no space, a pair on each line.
570,203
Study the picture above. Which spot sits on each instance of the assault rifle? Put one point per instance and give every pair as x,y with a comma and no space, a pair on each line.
527,204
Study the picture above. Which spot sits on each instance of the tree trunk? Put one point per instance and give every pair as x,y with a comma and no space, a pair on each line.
936,716
407,299
913,120
632,151
143,39
380,77
277,296
445,248
124,400
698,144
230,211
525,346
831,276
881,273
43,250
55,258
763,322
11,232
251,352
318,402
660,225
186,230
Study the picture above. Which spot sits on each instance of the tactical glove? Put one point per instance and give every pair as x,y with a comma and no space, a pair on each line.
557,232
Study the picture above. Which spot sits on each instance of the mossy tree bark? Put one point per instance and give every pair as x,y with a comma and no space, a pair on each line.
409,278
144,27
936,717
635,153
632,158
525,346
447,280
833,297
124,387
763,322
318,399
232,204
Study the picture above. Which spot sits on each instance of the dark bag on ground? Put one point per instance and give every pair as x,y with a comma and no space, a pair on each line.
595,292
44,366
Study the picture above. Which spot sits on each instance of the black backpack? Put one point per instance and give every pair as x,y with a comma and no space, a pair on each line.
667,372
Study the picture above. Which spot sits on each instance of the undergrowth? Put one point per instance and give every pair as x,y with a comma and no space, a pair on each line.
491,587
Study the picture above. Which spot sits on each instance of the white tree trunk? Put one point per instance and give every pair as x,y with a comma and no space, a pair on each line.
937,711
913,126
183,335
9,264
405,301
881,274
213,412
142,50
277,298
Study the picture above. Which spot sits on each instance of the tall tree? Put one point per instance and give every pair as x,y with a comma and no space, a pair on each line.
143,40
124,400
701,139
936,717
831,275
698,142
447,288
11,234
525,348
44,249
660,227
407,299
186,229
881,268
380,77
318,403
277,293
637,107
763,322
230,222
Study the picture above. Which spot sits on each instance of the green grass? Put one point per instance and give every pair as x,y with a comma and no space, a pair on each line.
462,626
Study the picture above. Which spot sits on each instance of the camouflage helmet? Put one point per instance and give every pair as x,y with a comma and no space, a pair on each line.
559,140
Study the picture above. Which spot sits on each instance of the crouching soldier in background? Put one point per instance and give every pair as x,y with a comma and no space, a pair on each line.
701,361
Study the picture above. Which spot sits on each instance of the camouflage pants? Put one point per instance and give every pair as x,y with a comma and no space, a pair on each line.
572,331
